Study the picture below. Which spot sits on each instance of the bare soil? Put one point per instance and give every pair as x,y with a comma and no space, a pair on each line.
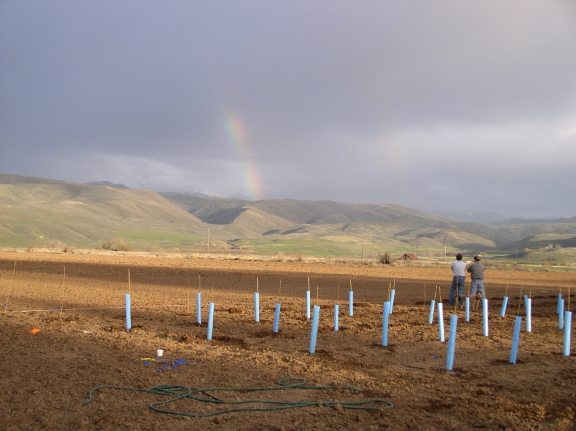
45,377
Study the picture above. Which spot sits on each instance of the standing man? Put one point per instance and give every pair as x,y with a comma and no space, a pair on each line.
458,273
476,270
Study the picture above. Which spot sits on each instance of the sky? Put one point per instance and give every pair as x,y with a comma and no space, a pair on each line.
436,105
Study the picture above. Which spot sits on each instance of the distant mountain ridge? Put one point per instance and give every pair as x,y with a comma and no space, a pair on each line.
522,221
43,211
198,194
108,184
396,225
474,216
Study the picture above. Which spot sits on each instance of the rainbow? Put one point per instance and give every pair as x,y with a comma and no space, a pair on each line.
239,137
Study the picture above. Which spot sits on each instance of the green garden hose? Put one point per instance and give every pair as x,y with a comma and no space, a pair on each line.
175,393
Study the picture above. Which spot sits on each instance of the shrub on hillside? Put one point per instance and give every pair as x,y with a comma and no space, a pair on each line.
115,244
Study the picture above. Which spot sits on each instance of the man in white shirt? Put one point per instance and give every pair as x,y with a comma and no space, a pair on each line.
459,274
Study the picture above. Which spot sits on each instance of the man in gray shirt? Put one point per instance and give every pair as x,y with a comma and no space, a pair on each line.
476,270
458,276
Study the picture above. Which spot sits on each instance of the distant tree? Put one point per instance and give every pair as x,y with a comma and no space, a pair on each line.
385,258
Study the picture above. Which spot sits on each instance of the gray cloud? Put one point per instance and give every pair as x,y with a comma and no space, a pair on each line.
412,102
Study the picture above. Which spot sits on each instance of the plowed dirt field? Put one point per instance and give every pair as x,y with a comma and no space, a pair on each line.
77,302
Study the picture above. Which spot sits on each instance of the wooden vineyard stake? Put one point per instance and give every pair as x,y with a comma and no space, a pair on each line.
11,288
188,296
456,302
63,291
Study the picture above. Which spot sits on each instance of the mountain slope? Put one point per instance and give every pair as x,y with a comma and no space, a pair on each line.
544,240
35,212
109,184
392,226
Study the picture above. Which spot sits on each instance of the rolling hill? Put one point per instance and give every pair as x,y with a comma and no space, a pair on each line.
325,226
39,212
36,212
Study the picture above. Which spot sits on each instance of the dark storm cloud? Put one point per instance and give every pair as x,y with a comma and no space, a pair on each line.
384,102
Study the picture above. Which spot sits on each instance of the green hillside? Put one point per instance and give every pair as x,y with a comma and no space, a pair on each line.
334,228
544,240
547,250
43,212
37,212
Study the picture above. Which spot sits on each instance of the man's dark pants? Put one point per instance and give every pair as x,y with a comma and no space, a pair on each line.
457,281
